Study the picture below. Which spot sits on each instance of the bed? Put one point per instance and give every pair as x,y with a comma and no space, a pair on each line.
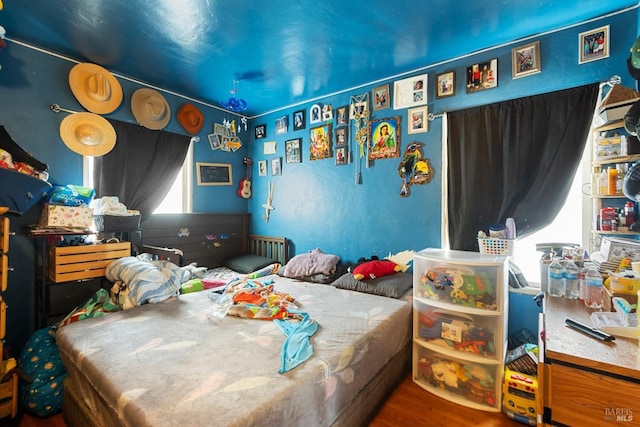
171,364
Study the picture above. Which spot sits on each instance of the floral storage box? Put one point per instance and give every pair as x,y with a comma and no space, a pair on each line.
67,216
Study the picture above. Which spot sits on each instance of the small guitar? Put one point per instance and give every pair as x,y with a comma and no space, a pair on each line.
245,184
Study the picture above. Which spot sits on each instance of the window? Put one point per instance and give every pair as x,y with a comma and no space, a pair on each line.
178,200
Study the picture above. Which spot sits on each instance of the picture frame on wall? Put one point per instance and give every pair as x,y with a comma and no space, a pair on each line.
381,97
341,155
384,138
410,92
260,131
342,135
262,168
320,142
299,121
292,151
418,120
525,60
315,113
282,125
446,84
482,76
276,166
593,45
214,173
342,115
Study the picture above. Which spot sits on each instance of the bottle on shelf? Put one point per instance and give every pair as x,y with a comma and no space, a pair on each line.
630,212
612,181
555,282
570,279
603,189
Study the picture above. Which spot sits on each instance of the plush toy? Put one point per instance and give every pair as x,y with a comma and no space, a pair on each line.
446,372
192,271
362,260
376,268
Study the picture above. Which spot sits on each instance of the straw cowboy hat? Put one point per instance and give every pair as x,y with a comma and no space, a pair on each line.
88,134
95,88
150,108
190,118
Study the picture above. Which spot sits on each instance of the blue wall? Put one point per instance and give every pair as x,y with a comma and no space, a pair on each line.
317,204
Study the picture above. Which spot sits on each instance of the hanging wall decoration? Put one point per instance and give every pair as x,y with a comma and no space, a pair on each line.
413,169
320,138
384,138
359,113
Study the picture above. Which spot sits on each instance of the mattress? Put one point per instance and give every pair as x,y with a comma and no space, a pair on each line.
169,364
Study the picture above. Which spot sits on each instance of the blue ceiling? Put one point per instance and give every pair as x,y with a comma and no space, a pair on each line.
280,52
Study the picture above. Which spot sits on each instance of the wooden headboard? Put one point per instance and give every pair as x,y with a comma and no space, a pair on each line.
208,239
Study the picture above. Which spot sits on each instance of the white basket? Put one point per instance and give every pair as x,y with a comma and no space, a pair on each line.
494,246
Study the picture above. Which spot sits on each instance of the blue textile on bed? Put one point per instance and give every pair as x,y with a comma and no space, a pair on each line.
297,346
148,282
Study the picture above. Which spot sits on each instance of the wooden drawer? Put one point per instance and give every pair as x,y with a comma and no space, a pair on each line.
71,263
4,271
4,235
579,397
9,397
3,318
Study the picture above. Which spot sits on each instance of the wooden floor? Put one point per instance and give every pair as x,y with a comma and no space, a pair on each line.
409,405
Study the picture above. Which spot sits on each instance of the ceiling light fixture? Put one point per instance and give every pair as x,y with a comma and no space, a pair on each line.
234,104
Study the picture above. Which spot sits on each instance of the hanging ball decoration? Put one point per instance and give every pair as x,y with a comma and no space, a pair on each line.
234,104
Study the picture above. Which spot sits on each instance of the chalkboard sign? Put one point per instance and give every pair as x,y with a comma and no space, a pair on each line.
214,174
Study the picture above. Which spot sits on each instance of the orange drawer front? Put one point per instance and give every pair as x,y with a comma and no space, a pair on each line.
71,263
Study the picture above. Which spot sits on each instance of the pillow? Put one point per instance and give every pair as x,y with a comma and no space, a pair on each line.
325,279
246,264
313,262
393,286
376,268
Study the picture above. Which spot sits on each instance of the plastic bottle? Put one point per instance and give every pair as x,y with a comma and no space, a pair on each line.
571,282
603,188
620,172
612,181
593,288
630,212
555,282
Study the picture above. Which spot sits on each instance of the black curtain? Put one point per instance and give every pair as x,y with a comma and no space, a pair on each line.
514,159
142,166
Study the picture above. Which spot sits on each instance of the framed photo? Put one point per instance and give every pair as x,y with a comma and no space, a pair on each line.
315,114
262,168
269,147
327,112
260,131
593,45
446,84
482,76
214,173
342,135
299,120
282,125
292,150
341,155
342,115
276,168
320,138
384,140
525,60
418,120
214,141
381,97
410,92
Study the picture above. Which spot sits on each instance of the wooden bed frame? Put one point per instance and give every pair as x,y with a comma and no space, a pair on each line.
208,239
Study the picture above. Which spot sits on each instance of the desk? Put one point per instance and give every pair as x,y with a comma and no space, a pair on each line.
585,381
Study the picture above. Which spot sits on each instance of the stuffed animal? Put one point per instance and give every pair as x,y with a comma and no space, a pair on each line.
376,268
362,260
446,372
192,271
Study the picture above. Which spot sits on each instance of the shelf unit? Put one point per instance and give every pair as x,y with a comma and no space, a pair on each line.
9,388
616,200
460,326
